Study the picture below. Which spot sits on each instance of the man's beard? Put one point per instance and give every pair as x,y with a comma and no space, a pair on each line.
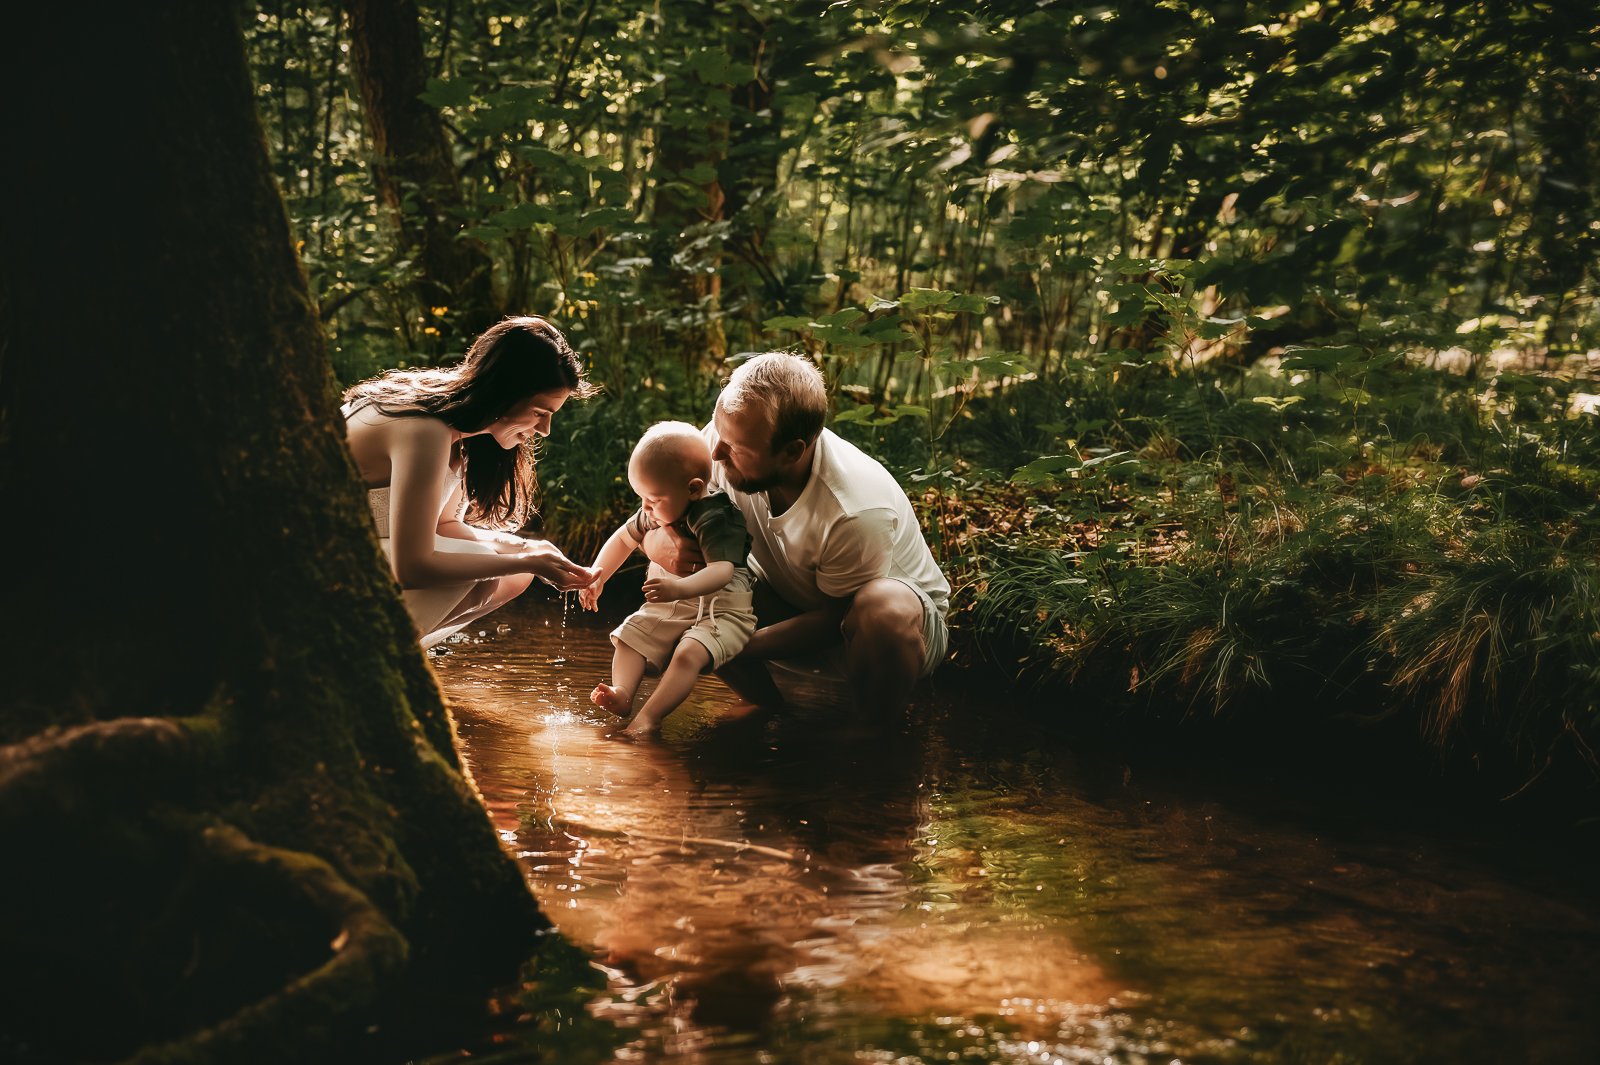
749,485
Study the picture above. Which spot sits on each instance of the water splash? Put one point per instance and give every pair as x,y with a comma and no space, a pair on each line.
566,606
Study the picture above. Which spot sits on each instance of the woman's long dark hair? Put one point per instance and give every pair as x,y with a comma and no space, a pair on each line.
512,360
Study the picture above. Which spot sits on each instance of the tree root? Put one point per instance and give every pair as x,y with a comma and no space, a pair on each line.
368,954
156,749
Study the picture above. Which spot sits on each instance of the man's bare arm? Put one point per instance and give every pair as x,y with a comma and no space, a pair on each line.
813,630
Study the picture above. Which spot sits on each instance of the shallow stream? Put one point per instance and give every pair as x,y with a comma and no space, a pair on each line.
973,890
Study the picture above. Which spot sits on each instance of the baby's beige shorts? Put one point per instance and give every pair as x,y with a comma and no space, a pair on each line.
722,622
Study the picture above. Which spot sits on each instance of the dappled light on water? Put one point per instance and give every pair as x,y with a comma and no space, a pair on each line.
800,889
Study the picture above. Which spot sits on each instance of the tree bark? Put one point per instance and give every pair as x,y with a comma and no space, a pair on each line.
230,807
691,140
411,164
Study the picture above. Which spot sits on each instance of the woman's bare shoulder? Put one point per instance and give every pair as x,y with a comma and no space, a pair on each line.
380,442
419,432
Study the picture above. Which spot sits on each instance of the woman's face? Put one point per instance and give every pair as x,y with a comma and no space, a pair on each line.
528,419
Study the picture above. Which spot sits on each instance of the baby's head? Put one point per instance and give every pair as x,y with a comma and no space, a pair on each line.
669,469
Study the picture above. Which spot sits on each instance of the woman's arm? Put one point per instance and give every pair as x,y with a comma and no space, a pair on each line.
503,542
453,525
419,462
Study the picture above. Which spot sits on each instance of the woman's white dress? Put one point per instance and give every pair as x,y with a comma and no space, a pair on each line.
442,611
445,610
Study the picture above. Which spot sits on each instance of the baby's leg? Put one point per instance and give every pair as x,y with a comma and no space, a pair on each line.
689,660
627,669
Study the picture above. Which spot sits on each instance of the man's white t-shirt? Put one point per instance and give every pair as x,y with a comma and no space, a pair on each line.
852,524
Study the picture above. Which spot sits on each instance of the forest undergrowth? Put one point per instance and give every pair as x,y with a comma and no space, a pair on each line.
1238,356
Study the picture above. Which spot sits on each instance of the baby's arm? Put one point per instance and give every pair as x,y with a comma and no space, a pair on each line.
613,554
713,578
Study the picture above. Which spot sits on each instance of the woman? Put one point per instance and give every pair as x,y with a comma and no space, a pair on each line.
447,455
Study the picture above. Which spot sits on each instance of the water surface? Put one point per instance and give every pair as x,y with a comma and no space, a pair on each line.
968,889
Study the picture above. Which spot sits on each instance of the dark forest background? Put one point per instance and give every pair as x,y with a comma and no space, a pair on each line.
1234,352
1241,360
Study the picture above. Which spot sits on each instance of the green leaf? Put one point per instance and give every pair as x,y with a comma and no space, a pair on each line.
861,413
1217,328
522,216
919,299
1045,469
1100,460
1127,313
1132,266
839,336
442,93
1001,364
845,317
886,330
787,321
602,218
969,304
700,174
541,156
715,67
1322,360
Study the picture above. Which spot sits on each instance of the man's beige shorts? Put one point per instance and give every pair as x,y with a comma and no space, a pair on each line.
721,622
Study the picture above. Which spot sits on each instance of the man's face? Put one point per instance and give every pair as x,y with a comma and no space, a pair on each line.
744,448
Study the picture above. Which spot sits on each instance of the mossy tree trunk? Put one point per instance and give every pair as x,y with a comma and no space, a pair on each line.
411,163
232,817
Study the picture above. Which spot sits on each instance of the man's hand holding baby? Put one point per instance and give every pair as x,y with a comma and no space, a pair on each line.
673,551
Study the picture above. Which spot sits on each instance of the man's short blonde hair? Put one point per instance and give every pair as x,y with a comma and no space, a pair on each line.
788,386
672,449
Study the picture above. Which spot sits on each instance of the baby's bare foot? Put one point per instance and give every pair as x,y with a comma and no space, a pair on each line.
615,700
638,730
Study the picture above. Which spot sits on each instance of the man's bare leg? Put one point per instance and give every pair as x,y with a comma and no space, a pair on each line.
884,647
627,670
751,681
748,675
689,660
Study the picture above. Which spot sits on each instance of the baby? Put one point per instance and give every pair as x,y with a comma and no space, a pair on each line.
688,624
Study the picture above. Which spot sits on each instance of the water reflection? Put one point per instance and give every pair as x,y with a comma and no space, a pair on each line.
794,890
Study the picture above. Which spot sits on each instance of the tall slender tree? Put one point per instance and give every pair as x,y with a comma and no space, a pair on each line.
229,799
691,139
411,160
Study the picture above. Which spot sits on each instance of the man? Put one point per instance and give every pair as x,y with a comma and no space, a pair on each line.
839,559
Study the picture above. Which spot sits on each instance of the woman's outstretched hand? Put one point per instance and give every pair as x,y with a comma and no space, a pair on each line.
545,561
